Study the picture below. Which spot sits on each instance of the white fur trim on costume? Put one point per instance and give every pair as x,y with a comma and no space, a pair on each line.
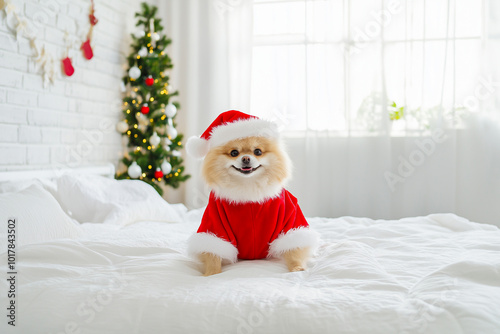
197,147
254,192
295,238
252,127
210,243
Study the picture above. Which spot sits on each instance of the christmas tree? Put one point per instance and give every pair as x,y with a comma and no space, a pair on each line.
153,142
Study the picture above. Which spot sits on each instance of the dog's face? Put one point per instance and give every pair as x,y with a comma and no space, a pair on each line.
253,162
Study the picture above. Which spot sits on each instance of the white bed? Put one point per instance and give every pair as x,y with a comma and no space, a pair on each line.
130,272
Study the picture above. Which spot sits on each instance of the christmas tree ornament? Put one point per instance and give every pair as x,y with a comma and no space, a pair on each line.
145,109
176,153
134,72
154,139
155,36
134,170
170,110
149,81
143,52
139,33
171,132
166,167
158,173
121,127
68,66
167,142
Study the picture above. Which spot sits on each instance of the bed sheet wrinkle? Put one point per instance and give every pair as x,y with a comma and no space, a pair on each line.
64,252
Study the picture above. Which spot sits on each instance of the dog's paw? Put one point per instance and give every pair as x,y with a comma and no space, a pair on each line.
211,272
297,268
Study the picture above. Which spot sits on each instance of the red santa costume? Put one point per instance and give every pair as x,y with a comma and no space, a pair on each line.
247,229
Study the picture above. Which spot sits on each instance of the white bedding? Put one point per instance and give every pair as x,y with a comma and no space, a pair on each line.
435,274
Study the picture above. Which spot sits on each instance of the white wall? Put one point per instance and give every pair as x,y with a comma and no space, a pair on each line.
72,121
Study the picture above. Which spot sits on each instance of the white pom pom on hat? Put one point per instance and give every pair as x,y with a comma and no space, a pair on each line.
230,125
197,147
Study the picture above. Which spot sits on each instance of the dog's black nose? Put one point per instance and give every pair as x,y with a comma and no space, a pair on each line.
245,160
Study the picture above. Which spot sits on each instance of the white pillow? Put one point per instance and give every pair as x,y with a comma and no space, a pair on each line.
38,217
96,199
15,186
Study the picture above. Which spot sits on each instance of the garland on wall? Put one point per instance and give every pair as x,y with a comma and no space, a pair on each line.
48,64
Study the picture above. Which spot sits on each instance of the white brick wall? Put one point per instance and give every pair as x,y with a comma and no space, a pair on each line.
71,122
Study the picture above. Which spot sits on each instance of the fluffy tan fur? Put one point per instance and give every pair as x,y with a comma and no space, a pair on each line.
274,170
295,259
211,264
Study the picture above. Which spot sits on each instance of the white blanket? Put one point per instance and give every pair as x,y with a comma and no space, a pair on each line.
435,274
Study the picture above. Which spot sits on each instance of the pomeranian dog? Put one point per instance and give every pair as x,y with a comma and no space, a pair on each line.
249,215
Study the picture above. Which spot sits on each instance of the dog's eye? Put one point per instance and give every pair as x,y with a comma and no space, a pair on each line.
234,153
257,152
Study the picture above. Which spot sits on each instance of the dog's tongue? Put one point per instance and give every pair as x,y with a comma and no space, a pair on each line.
246,168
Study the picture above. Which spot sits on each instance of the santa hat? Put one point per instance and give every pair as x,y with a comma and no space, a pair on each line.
230,125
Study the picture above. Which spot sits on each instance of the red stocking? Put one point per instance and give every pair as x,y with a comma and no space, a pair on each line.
68,67
87,50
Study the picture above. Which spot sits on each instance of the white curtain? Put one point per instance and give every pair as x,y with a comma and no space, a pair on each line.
211,51
389,105
336,74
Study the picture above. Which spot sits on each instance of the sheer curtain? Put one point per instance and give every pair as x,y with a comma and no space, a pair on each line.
388,107
211,52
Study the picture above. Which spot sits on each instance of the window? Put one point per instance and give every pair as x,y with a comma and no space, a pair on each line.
352,66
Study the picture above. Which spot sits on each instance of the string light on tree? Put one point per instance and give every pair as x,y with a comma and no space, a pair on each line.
149,109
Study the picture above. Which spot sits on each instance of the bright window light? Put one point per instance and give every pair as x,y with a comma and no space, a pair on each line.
346,66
